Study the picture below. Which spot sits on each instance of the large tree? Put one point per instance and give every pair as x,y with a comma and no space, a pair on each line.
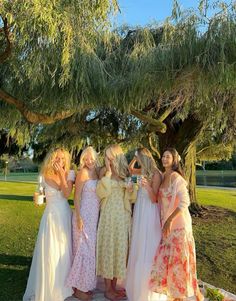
174,82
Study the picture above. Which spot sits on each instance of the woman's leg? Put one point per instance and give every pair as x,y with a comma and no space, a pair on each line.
109,292
120,292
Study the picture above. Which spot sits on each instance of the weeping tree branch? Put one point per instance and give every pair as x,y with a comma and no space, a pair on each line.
165,114
7,51
216,152
154,125
34,117
153,148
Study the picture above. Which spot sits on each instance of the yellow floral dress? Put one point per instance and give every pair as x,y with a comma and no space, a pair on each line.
113,228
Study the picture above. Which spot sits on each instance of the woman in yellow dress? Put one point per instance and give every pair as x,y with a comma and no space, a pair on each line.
115,221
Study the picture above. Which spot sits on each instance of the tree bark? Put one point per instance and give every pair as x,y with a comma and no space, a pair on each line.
31,116
183,136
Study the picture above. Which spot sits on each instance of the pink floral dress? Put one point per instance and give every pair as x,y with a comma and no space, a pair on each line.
174,268
82,274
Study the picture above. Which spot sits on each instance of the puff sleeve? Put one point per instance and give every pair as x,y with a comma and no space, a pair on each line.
103,190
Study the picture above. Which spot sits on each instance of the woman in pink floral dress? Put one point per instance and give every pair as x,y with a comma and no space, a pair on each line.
174,268
82,276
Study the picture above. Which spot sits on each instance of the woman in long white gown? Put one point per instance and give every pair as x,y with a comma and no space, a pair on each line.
146,228
53,250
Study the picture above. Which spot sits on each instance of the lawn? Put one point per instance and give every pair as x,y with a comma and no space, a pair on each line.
215,236
20,176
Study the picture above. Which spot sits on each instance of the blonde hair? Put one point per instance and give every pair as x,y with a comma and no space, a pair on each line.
119,161
147,162
47,167
87,150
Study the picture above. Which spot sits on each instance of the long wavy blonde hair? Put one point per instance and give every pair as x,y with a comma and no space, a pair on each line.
88,150
47,167
119,161
147,162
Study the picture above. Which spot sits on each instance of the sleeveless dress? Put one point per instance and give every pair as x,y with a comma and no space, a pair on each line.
82,274
146,236
53,250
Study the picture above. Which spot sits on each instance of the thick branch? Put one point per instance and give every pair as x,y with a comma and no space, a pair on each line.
7,51
154,125
34,117
153,148
165,114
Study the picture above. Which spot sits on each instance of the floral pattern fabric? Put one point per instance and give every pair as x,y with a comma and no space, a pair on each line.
174,268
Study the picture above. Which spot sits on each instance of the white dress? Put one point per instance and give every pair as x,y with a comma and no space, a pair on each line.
53,250
145,239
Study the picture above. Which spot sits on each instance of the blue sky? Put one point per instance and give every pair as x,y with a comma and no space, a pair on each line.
143,12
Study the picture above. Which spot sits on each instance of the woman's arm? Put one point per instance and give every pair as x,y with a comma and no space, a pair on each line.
184,202
153,188
168,224
81,178
102,172
132,170
66,186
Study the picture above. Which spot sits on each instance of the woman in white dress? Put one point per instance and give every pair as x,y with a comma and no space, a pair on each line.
53,250
146,228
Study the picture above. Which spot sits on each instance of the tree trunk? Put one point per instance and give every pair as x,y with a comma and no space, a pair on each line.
183,136
190,174
190,171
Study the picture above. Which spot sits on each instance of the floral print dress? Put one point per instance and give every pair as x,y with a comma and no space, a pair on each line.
113,228
174,268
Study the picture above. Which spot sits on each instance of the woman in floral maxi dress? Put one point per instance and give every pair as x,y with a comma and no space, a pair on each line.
115,221
174,268
82,276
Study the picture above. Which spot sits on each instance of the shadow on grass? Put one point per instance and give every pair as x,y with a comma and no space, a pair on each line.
13,283
28,198
13,197
15,260
14,271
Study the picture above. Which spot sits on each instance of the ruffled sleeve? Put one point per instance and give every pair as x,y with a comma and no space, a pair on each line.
71,176
182,194
103,189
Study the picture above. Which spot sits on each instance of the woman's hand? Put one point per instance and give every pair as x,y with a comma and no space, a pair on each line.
59,169
80,223
145,183
108,164
167,227
130,186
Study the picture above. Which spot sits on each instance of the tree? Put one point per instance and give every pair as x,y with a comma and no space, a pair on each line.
173,82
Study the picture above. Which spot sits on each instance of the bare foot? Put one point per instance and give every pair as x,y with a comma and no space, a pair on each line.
82,295
110,296
121,293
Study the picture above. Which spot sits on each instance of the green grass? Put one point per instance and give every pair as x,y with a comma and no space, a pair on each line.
216,172
216,197
215,237
19,176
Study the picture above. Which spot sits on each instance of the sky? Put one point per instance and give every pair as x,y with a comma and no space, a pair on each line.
143,12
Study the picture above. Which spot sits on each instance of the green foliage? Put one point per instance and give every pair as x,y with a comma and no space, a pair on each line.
185,66
214,294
